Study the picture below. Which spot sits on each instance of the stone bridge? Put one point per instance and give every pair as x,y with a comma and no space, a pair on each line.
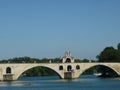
66,68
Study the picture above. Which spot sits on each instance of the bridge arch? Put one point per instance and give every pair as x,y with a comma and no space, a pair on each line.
30,67
103,65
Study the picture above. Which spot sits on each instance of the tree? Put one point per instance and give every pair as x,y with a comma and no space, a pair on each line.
118,47
109,54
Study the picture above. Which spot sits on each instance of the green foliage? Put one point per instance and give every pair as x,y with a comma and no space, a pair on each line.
77,60
109,54
119,47
85,60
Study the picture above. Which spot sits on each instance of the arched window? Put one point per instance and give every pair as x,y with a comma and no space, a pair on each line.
60,67
77,67
69,68
68,60
8,70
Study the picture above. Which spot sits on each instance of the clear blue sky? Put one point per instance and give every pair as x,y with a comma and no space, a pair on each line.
47,28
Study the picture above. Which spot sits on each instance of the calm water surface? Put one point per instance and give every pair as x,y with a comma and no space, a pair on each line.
85,82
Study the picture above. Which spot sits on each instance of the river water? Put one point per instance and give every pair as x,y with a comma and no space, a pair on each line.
85,82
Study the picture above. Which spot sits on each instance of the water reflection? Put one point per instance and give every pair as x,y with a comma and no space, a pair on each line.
15,83
85,82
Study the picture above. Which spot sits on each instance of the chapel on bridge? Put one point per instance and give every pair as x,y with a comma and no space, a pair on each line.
67,58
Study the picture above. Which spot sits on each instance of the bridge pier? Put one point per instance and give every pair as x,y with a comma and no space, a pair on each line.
69,75
8,77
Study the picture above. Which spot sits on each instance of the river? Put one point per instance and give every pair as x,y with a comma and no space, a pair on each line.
85,82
